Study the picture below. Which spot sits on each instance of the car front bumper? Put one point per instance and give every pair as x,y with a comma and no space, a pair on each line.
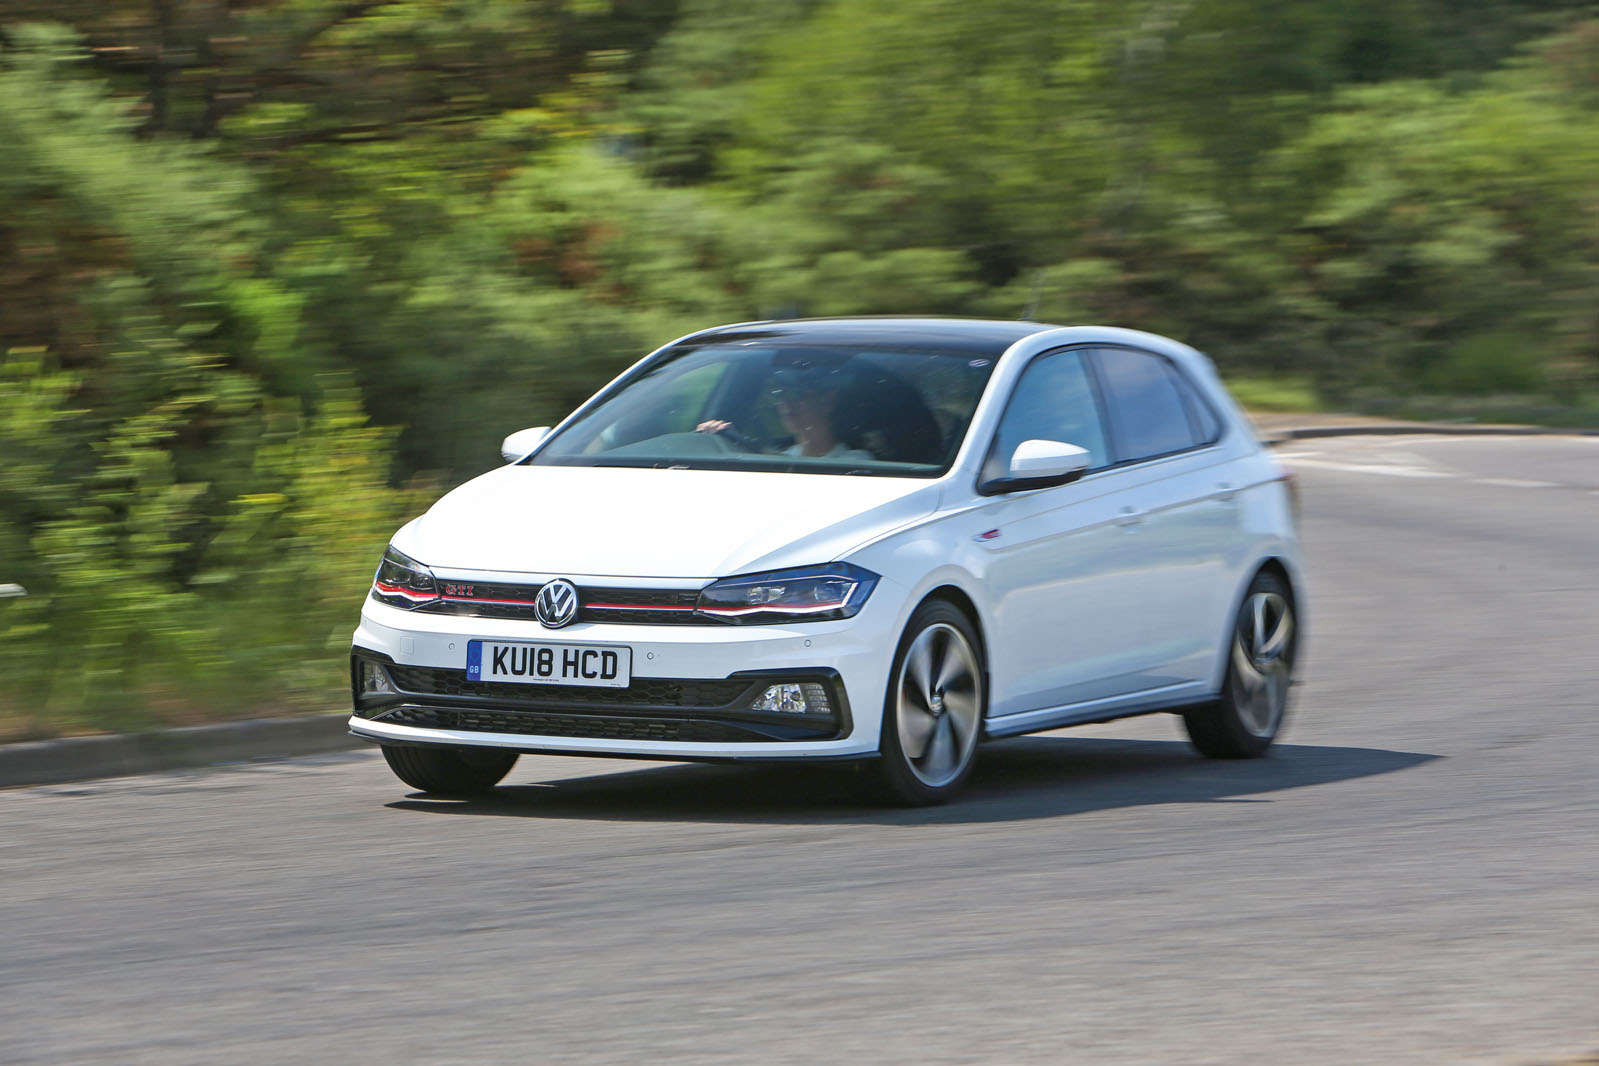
688,697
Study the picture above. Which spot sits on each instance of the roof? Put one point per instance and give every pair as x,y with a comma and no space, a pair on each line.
974,335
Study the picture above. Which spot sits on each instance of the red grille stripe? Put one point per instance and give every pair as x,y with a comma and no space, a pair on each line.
635,607
410,594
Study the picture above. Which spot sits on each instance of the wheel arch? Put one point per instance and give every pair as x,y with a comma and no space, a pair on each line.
1275,565
1284,569
964,603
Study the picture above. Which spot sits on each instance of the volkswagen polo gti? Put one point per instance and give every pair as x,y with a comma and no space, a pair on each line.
869,539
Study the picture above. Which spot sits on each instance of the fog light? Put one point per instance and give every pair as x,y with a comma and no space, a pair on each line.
375,680
806,698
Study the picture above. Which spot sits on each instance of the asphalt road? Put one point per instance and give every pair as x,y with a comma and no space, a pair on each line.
1411,877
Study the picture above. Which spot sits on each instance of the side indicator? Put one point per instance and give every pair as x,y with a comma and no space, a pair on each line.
992,534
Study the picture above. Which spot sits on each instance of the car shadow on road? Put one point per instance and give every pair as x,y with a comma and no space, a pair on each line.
1016,779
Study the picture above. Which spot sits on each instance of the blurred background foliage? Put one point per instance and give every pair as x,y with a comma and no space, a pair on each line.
236,236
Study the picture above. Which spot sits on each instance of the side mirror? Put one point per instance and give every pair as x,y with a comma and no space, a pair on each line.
518,444
1040,464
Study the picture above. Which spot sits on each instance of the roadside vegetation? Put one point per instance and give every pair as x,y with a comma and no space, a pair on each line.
275,272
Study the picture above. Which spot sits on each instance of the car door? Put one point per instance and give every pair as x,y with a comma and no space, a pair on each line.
1061,579
1183,517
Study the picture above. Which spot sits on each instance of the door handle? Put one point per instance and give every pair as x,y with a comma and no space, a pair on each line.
1129,516
1225,491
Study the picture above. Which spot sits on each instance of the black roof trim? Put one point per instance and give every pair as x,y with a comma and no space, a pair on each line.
975,335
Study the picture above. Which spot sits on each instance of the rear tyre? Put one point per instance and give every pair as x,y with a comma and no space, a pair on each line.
449,771
1249,714
933,711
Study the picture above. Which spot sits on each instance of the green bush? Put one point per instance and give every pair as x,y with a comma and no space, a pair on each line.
231,234
192,507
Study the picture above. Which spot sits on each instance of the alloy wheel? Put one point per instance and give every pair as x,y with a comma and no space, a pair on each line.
940,704
1262,645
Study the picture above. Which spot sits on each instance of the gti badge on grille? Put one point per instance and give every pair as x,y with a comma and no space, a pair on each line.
556,604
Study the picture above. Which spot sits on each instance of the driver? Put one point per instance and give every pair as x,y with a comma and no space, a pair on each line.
807,402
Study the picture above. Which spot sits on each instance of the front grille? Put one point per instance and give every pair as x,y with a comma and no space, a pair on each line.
641,597
481,610
643,692
628,606
623,616
587,726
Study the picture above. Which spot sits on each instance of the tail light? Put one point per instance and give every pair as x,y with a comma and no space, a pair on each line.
1290,480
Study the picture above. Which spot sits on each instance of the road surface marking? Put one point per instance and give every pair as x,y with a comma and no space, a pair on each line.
1387,469
1515,483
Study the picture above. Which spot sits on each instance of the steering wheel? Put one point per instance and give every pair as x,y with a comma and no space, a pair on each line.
731,442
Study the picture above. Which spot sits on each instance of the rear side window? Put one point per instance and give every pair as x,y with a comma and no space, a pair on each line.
1206,423
1147,412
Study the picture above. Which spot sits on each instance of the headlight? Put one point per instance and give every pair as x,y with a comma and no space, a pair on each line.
804,594
401,581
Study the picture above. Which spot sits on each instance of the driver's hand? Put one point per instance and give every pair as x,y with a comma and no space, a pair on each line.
715,425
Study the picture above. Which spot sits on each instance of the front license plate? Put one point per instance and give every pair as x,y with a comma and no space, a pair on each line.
593,665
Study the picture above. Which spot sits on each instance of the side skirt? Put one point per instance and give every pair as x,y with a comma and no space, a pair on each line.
1169,698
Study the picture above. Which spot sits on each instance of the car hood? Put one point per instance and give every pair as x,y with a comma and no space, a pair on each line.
630,522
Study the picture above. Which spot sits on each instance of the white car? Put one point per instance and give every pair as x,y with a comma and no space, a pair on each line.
845,539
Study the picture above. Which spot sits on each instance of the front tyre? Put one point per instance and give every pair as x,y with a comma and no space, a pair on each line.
1246,718
449,771
933,711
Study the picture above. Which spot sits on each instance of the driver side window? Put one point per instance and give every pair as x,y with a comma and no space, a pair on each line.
1054,400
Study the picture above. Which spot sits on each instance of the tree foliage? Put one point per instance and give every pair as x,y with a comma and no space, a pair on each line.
189,498
235,237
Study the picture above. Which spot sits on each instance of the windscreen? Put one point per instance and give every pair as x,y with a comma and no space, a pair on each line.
783,407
